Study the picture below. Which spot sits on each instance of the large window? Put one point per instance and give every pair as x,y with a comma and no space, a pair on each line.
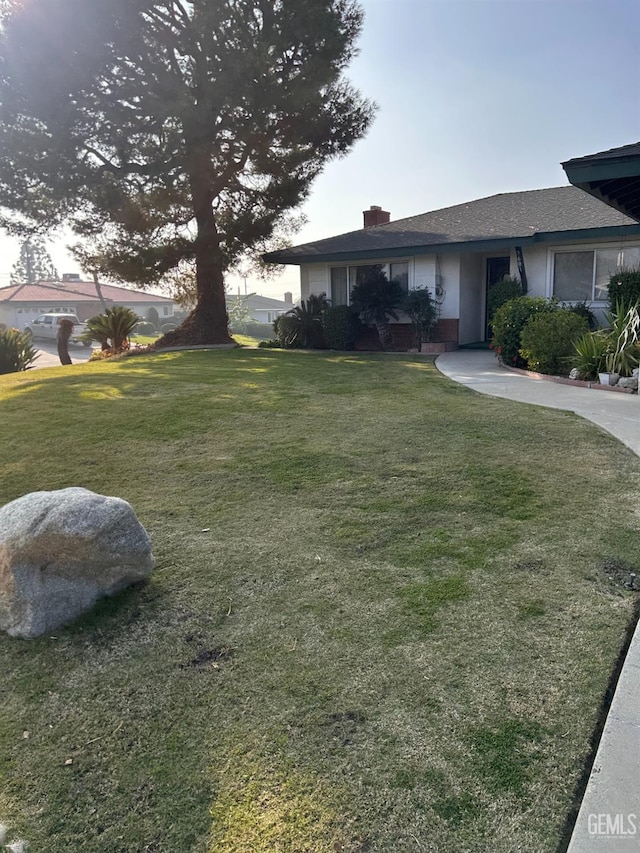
344,279
584,275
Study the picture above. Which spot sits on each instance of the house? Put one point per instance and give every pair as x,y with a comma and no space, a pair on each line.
263,309
20,303
561,242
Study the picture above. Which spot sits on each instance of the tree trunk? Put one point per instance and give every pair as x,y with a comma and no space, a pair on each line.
64,333
208,322
384,334
99,291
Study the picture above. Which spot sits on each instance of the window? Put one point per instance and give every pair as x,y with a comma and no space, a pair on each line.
166,310
584,275
400,272
344,279
339,286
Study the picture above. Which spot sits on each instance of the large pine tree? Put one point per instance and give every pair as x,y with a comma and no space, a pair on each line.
164,132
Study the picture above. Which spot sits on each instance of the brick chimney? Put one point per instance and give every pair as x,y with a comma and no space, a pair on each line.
375,216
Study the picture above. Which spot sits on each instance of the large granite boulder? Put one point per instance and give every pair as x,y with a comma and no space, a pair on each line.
61,551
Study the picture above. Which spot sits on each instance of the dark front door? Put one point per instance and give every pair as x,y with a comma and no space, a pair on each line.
497,268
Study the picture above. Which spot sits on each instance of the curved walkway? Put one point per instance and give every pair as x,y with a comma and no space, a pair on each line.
609,817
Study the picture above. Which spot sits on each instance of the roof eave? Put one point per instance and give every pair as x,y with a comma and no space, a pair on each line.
450,248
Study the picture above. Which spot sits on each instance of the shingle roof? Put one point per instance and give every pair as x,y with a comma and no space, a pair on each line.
75,291
632,150
498,218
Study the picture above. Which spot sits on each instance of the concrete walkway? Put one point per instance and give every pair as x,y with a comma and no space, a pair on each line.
609,817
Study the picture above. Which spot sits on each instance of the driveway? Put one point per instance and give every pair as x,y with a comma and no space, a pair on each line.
48,354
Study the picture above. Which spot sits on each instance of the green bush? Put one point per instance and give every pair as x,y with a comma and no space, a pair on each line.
16,351
272,343
547,341
145,328
287,331
341,327
257,330
509,321
590,356
624,289
422,311
167,327
582,310
112,328
501,292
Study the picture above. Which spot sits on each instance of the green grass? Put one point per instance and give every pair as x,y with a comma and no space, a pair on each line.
379,619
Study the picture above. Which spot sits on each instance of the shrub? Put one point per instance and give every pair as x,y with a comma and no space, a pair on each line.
509,321
501,292
302,326
624,339
262,331
624,289
582,310
167,327
145,328
112,328
341,327
16,351
272,343
590,356
547,342
422,311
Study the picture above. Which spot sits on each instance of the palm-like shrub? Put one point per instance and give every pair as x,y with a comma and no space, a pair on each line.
16,351
302,326
376,299
112,329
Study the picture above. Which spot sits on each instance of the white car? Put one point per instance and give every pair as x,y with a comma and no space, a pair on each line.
45,327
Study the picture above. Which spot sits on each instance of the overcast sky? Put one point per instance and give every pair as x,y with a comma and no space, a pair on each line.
475,97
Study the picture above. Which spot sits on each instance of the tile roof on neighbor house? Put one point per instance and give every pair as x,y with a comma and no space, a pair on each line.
260,303
75,291
529,216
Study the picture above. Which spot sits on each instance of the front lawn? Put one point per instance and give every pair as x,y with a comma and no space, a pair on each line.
381,618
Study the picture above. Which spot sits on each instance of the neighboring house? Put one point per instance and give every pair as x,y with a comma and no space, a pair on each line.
561,241
20,303
263,309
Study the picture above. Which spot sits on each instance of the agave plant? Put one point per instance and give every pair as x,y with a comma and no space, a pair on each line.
112,329
591,350
376,300
624,339
16,351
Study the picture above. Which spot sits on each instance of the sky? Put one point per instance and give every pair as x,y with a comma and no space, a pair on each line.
475,97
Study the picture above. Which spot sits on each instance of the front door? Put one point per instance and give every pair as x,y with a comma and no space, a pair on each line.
497,268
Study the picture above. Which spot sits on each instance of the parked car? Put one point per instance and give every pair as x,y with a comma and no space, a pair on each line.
45,327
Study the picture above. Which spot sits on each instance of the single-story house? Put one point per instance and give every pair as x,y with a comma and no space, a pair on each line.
263,309
561,241
20,303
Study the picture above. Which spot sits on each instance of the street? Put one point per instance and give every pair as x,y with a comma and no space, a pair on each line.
48,354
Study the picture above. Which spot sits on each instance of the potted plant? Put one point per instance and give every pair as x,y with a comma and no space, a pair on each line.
423,312
622,355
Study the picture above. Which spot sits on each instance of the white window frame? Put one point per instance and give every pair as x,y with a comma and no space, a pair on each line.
593,248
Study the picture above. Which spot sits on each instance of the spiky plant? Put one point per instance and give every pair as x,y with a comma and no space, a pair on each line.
302,326
113,328
16,351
